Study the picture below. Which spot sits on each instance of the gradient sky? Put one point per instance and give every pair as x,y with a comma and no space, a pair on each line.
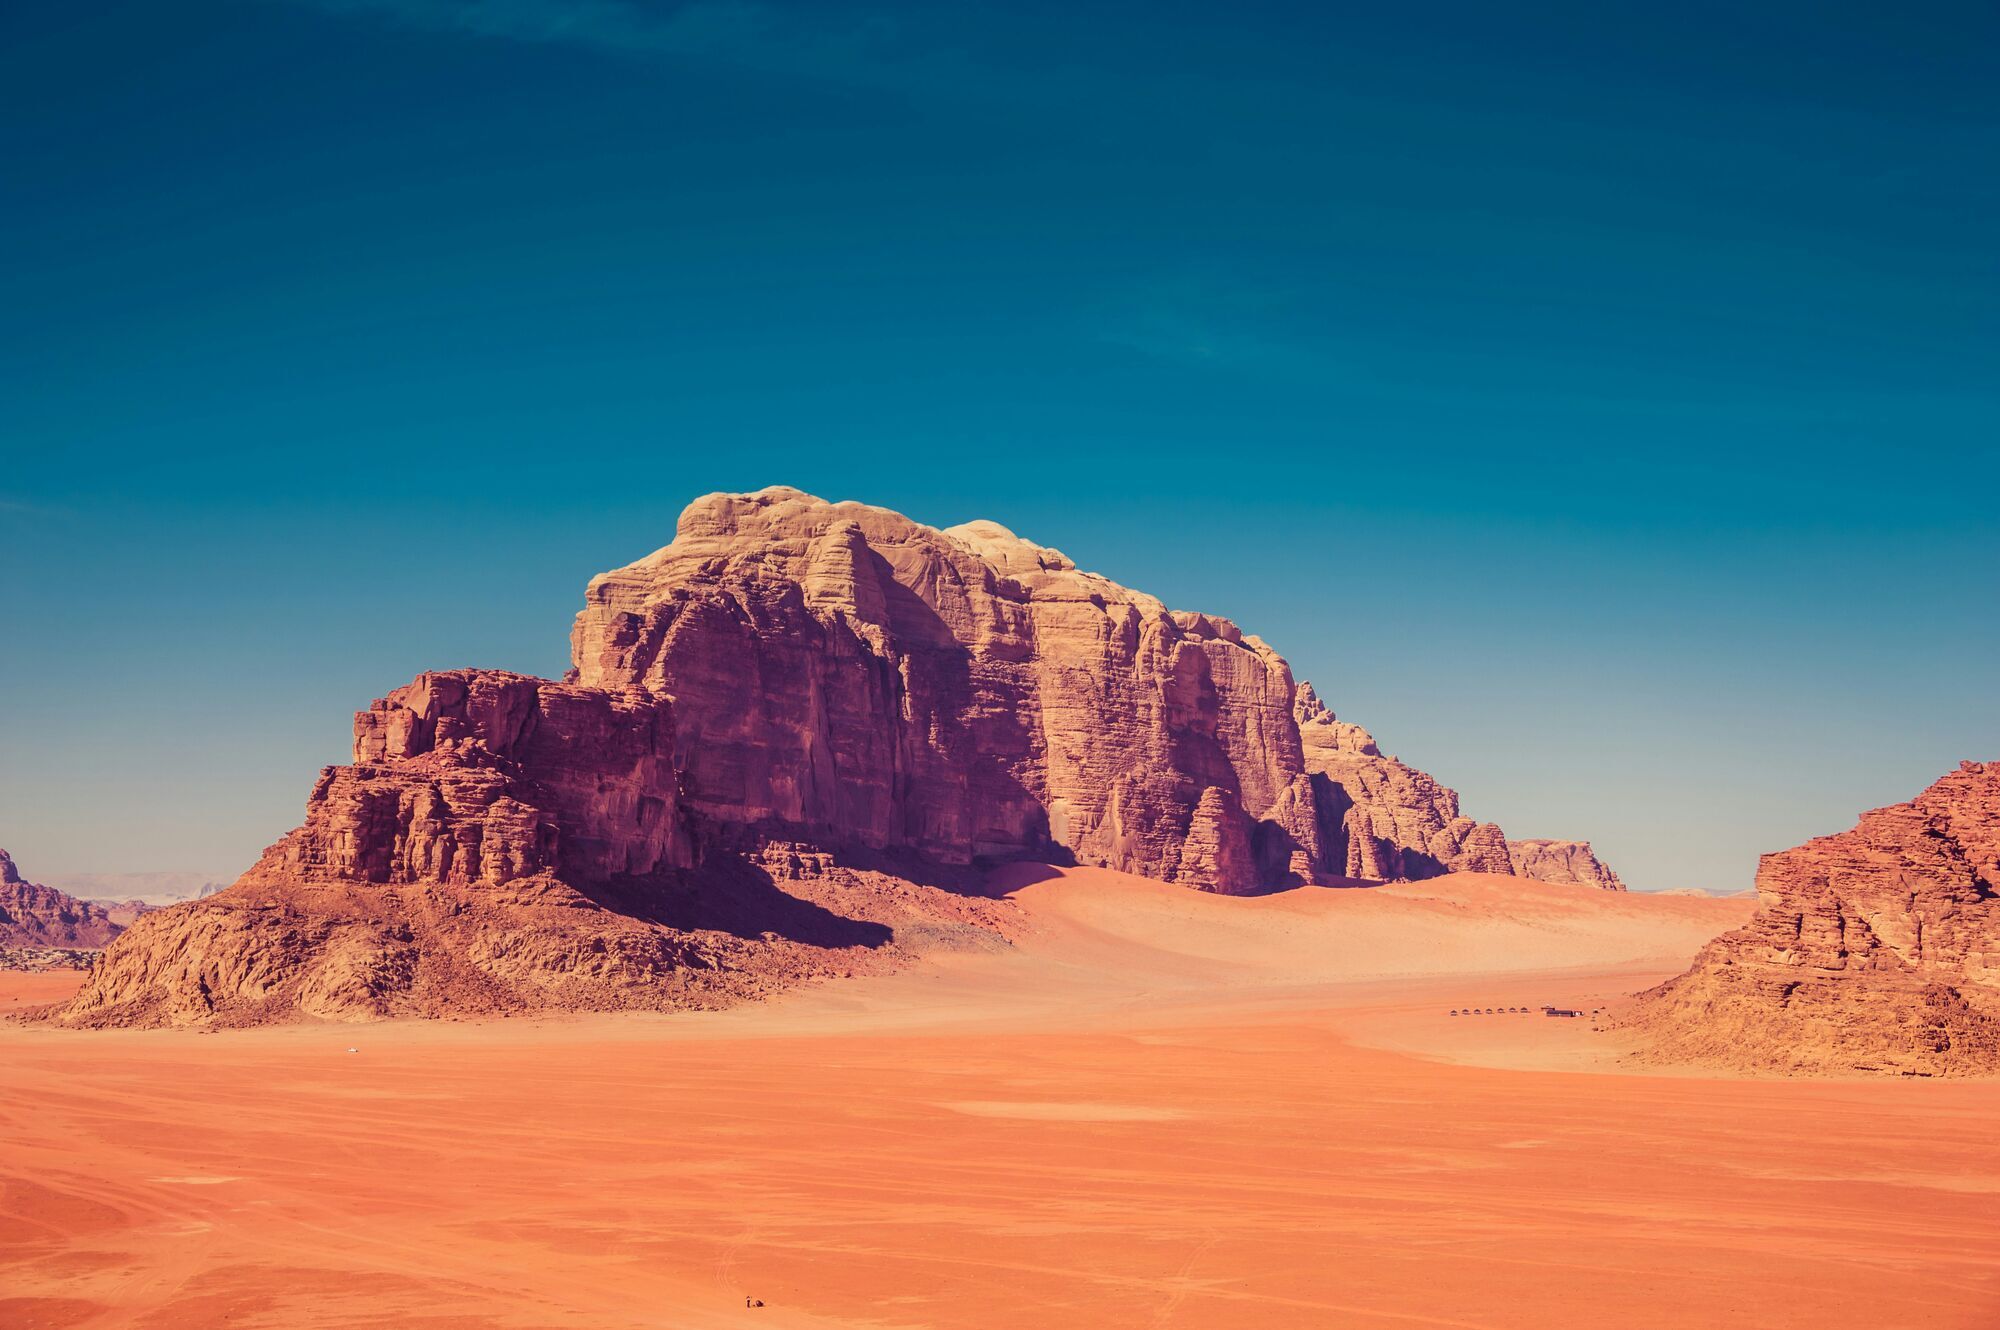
1599,404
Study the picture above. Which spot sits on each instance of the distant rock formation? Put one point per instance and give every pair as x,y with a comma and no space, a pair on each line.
1380,818
786,741
32,915
1877,950
125,912
1562,861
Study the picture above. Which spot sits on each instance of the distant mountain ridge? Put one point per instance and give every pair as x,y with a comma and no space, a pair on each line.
161,888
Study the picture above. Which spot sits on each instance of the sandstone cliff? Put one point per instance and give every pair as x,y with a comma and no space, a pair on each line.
1877,949
32,915
844,674
1562,861
787,741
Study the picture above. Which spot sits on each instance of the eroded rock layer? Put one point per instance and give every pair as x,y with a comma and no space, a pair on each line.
1877,949
788,740
32,915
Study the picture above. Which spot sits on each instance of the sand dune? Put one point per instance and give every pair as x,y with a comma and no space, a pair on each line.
1153,1108
1095,946
1463,923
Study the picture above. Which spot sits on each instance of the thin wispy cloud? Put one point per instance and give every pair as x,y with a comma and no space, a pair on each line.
942,55
738,32
1255,331
26,508
1202,338
933,56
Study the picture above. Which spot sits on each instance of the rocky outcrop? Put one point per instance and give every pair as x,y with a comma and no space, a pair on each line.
501,844
1874,950
32,915
279,948
788,741
477,776
1562,862
1380,818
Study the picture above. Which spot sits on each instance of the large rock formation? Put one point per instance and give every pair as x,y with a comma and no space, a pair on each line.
1562,861
787,740
843,672
32,915
1877,949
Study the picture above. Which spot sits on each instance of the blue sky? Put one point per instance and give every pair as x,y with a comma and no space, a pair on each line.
1601,406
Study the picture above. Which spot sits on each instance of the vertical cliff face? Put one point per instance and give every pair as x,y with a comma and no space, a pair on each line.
1877,949
32,915
843,673
481,776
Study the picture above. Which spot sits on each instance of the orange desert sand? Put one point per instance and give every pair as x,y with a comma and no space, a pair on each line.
1156,1108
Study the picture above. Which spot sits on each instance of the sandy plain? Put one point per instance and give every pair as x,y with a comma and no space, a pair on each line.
1153,1109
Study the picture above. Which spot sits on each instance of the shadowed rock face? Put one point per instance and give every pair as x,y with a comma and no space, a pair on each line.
788,735
1877,949
32,915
